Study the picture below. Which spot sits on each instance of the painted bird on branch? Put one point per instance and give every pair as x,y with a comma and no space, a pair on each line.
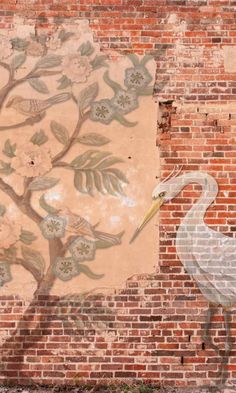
33,107
78,226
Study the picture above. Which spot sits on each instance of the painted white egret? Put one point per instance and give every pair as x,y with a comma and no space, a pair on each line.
207,255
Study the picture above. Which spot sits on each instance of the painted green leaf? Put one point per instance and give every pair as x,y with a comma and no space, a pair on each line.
89,182
27,237
146,59
118,173
65,35
49,61
134,58
19,44
2,210
114,85
99,61
38,85
60,132
126,123
88,272
98,157
80,160
93,139
93,171
87,96
146,91
98,182
9,149
107,184
63,82
34,258
44,72
5,168
39,138
42,183
115,183
44,205
109,162
78,182
10,252
18,61
84,182
86,49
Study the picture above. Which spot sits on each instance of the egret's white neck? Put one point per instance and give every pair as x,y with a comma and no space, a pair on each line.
208,195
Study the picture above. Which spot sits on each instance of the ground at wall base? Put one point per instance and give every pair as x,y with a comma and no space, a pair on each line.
140,388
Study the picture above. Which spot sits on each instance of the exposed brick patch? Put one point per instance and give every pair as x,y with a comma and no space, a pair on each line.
152,332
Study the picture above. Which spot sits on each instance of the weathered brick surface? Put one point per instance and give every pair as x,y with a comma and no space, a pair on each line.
151,330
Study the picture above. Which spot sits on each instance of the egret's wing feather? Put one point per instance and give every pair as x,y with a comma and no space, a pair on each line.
215,252
215,256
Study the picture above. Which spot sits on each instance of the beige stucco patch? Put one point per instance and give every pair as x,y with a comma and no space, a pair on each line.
71,206
229,58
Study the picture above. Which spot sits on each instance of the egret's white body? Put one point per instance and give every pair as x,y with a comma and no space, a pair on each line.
207,255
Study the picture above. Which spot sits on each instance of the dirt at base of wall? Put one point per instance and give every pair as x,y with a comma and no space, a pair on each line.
142,388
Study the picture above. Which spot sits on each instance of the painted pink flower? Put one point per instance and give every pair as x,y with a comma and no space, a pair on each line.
9,232
76,67
31,160
5,47
35,49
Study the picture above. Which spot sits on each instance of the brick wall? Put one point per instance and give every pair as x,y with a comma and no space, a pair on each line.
151,330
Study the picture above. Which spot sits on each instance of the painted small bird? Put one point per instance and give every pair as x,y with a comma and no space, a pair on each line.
77,225
33,107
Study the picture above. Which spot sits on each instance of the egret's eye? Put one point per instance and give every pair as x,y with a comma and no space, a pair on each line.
162,194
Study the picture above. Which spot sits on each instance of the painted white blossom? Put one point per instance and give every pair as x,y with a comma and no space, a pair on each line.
125,101
137,77
53,226
65,268
82,249
102,111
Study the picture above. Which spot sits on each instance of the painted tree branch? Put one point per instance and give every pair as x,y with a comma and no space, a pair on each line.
55,250
10,191
30,121
56,247
6,66
23,202
22,262
72,139
12,83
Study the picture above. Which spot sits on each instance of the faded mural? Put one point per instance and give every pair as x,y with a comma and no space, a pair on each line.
77,137
78,162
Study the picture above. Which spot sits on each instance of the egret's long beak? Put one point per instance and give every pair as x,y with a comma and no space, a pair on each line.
156,204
